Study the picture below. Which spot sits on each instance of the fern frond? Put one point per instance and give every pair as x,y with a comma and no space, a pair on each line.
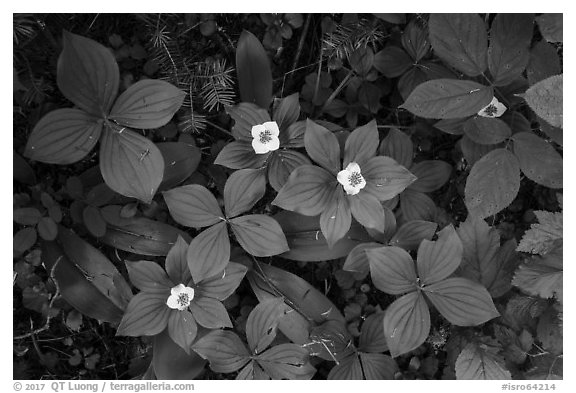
192,122
348,37
23,27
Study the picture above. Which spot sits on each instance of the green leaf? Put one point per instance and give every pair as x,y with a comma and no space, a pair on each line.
406,323
149,277
330,340
538,159
541,275
322,147
460,40
210,313
176,263
287,112
220,287
87,74
473,151
542,237
240,155
461,301
508,54
377,366
416,205
385,178
361,145
451,126
281,164
193,206
259,235
335,220
246,115
24,239
93,221
139,235
477,363
224,350
146,315
551,27
499,277
294,135
308,191
307,243
243,189
392,61
392,270
544,62
262,323
448,99
415,41
361,60
27,216
180,161
430,174
398,146
254,71
63,136
47,228
170,361
286,361
438,259
357,260
131,164
367,210
347,369
372,338
481,243
545,99
487,130
549,332
182,329
209,252
148,103
22,172
493,183
411,233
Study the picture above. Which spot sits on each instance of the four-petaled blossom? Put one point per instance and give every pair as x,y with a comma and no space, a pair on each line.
494,109
180,297
351,179
265,137
173,299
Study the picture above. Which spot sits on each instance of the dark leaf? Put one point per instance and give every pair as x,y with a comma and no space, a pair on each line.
287,112
410,234
361,145
149,277
545,99
180,161
22,171
335,220
372,338
538,159
246,115
367,210
475,362
486,130
416,205
286,361
385,178
254,71
541,276
182,329
24,239
322,147
551,27
193,206
27,215
544,63
176,263
415,41
357,260
262,323
361,60
146,315
93,221
347,369
392,270
392,61
210,313
240,155
243,189
294,134
47,228
438,259
224,350
169,360
398,146
377,366
281,165
209,252
259,235
223,285
430,174
473,151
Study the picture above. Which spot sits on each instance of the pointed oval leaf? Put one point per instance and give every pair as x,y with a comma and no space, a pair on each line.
392,61
461,301
438,259
63,136
170,361
361,144
182,329
460,40
246,115
23,240
451,126
475,363
385,178
347,369
193,206
209,252
287,111
93,221
287,361
87,74
545,98
322,147
240,155
406,323
487,130
448,99
262,323
131,164
473,151
541,276
259,235
417,206
180,161
282,164
415,41
308,191
411,233
544,62
431,175
224,350
538,159
398,146
176,264
367,210
493,183
27,215
508,54
551,26
372,338
392,270
377,366
47,228
361,60
335,220
243,189
139,235
294,134
146,315
254,72
357,260
210,313
220,287
149,277
147,104
22,172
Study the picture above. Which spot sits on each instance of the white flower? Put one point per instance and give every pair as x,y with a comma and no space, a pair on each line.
180,297
265,137
494,109
351,179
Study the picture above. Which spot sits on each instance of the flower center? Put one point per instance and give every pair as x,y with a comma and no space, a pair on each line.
265,136
491,110
183,300
354,179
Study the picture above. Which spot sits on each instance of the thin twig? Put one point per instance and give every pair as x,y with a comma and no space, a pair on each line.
339,88
301,44
216,126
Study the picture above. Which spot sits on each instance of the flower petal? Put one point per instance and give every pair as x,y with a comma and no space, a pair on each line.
259,148
343,176
172,302
274,144
353,167
351,190
257,129
190,292
177,290
272,126
362,183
